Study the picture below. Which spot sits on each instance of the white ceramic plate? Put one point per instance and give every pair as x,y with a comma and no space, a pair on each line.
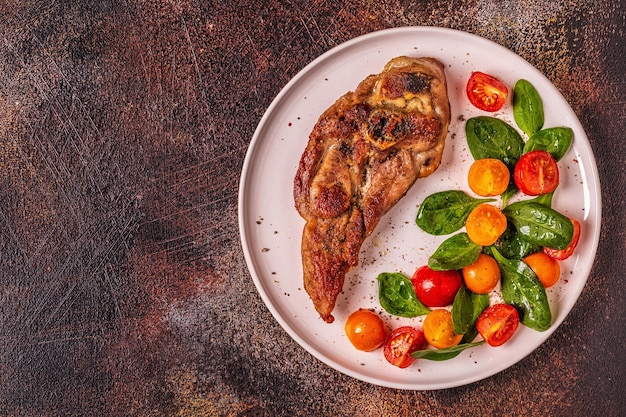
271,228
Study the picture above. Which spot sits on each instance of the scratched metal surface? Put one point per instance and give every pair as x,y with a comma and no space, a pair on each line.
123,128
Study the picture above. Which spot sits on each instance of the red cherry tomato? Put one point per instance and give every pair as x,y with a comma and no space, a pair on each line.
401,343
536,173
436,288
486,92
497,323
562,254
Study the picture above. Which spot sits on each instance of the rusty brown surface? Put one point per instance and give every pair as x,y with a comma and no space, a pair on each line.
123,129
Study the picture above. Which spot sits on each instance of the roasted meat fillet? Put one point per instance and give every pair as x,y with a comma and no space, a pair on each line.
363,155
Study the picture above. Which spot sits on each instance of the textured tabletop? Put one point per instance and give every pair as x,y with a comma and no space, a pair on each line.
123,129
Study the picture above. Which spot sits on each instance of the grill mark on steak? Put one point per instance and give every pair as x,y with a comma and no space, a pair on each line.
409,82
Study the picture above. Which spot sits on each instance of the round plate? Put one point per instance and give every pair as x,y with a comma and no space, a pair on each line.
271,228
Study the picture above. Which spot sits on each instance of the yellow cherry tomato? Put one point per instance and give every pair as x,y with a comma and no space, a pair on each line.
488,177
546,268
485,224
439,329
482,276
365,330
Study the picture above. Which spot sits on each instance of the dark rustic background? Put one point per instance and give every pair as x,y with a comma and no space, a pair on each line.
123,129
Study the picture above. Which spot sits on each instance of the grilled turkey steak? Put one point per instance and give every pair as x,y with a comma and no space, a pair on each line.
363,155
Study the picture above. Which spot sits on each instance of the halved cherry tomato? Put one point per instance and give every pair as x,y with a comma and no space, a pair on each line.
486,92
436,288
483,275
567,252
546,268
401,343
497,323
439,329
485,224
536,173
488,177
365,330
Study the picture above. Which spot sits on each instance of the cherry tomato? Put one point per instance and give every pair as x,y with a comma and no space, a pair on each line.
401,343
497,323
567,252
486,92
488,177
536,173
546,268
436,288
365,330
439,329
482,276
485,224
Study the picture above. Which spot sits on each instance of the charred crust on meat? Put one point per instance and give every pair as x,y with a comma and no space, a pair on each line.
417,83
397,86
385,128
345,148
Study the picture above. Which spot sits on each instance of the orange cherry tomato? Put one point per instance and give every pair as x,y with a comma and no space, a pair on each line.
439,329
402,342
546,268
485,224
365,330
497,323
561,254
488,177
482,276
536,173
486,92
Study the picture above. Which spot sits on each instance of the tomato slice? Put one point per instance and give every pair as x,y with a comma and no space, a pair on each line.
436,288
536,173
497,323
401,343
488,177
561,254
486,92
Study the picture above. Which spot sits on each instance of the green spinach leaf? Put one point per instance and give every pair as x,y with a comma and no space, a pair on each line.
446,211
466,308
527,108
509,193
462,311
545,199
522,289
397,296
446,353
455,252
514,245
489,137
555,140
539,224
479,303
